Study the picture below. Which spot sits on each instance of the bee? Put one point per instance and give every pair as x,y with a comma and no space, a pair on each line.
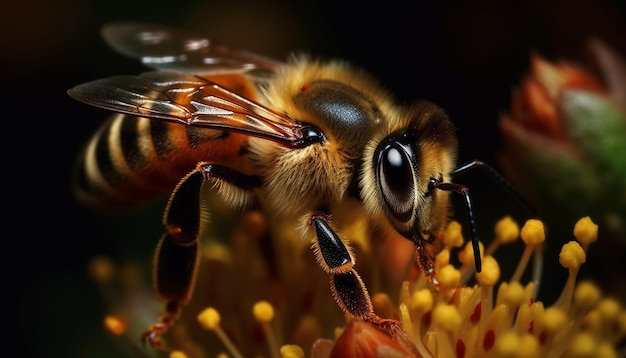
312,141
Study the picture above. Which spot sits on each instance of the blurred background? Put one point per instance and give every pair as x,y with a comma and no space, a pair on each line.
465,56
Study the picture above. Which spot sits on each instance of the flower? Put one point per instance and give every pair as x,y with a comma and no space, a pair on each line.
564,140
563,145
495,318
247,304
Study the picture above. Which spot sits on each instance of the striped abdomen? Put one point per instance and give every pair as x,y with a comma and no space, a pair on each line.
131,160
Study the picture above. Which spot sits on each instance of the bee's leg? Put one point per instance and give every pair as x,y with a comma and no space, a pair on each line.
346,285
176,258
425,261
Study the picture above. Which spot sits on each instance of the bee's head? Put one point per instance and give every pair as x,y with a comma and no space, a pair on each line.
403,167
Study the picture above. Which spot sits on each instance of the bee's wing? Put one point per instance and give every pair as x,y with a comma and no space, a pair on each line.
168,49
190,100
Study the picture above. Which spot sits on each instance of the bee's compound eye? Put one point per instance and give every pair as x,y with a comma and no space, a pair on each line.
395,175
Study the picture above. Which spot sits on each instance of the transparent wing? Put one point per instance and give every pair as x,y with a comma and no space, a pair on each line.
169,49
190,100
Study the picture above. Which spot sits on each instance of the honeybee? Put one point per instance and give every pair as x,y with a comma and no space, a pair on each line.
315,142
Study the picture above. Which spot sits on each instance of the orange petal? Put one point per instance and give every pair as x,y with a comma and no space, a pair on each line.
360,339
535,109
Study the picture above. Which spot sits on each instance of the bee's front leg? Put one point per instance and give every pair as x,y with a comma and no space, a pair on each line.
346,285
176,259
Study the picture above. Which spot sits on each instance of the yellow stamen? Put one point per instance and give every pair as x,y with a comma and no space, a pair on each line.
291,351
447,317
448,320
528,316
532,234
572,255
609,308
209,318
449,277
383,306
490,273
422,301
553,320
498,320
466,256
586,231
177,354
405,318
507,345
529,347
453,235
612,320
582,345
507,230
263,312
587,295
413,330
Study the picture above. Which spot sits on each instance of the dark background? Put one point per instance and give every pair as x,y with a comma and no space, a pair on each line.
465,56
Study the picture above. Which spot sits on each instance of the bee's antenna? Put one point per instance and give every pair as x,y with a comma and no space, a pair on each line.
460,189
538,259
498,178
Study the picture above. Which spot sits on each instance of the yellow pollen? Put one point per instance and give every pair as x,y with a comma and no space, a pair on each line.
533,232
449,277
586,231
528,347
587,295
291,351
453,235
447,317
514,294
582,345
263,311
383,305
609,308
593,321
209,318
507,230
422,301
177,354
490,273
115,325
572,255
507,345
554,319
339,330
